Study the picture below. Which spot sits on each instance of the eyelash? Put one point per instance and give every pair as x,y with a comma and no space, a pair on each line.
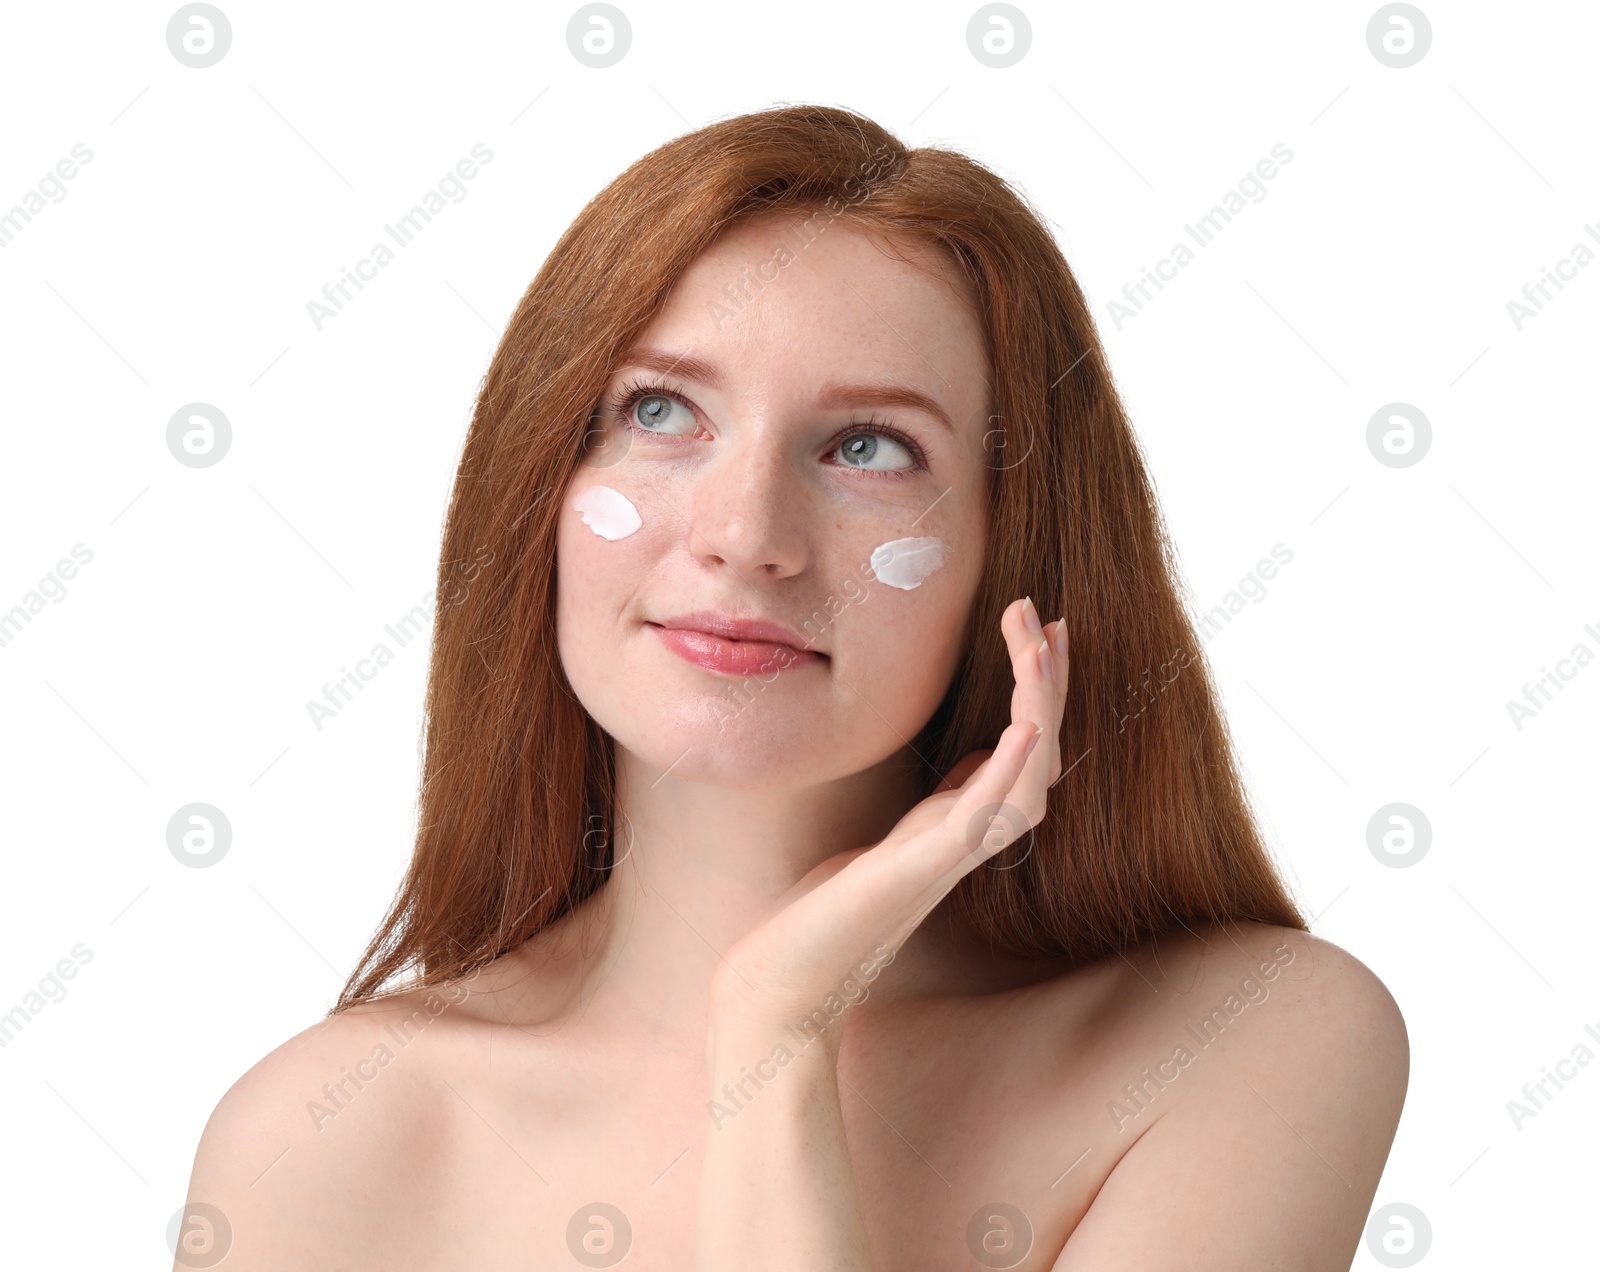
629,396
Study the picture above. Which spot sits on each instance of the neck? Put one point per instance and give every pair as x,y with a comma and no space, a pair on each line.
698,866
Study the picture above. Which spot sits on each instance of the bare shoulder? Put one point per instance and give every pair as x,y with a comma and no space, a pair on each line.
1323,991
322,1136
1274,1057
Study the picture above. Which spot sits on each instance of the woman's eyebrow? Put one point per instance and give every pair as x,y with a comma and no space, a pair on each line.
687,365
838,396
833,396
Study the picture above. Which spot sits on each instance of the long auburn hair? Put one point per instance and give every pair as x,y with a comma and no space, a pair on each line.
1149,827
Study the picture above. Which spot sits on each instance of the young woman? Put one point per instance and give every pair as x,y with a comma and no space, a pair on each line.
780,900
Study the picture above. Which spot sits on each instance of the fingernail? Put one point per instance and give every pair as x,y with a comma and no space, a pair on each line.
1061,635
1033,743
1030,617
1046,662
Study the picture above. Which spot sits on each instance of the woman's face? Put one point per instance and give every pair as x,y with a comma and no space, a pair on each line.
806,448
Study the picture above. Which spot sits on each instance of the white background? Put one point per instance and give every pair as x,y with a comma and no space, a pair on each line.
1376,669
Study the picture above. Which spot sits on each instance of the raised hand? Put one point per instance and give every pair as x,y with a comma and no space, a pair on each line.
856,906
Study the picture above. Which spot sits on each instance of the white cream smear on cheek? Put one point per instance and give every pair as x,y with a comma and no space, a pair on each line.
904,563
609,513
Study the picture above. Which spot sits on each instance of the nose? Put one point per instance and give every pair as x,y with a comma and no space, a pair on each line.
748,509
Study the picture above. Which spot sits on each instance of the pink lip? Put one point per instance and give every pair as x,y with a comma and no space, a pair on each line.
735,646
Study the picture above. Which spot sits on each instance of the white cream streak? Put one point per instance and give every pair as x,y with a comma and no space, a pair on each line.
904,563
609,513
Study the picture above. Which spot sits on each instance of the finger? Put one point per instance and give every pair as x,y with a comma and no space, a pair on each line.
1060,647
979,823
1036,699
989,795
1056,634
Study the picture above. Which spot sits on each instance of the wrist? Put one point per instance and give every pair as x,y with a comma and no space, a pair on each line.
768,1069
756,1020
743,1039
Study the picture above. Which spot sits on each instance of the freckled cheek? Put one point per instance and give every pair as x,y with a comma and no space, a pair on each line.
605,544
906,563
591,567
605,511
921,585
891,593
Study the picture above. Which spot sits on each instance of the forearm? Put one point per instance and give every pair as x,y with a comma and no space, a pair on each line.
777,1191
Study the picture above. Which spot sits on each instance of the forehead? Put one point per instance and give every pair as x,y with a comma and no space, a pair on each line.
786,302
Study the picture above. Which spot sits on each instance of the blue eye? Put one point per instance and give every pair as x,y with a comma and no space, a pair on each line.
649,407
862,448
652,412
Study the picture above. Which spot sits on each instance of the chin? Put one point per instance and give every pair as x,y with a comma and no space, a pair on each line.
716,763
708,739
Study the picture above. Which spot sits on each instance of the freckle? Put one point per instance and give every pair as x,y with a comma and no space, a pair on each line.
609,513
904,563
